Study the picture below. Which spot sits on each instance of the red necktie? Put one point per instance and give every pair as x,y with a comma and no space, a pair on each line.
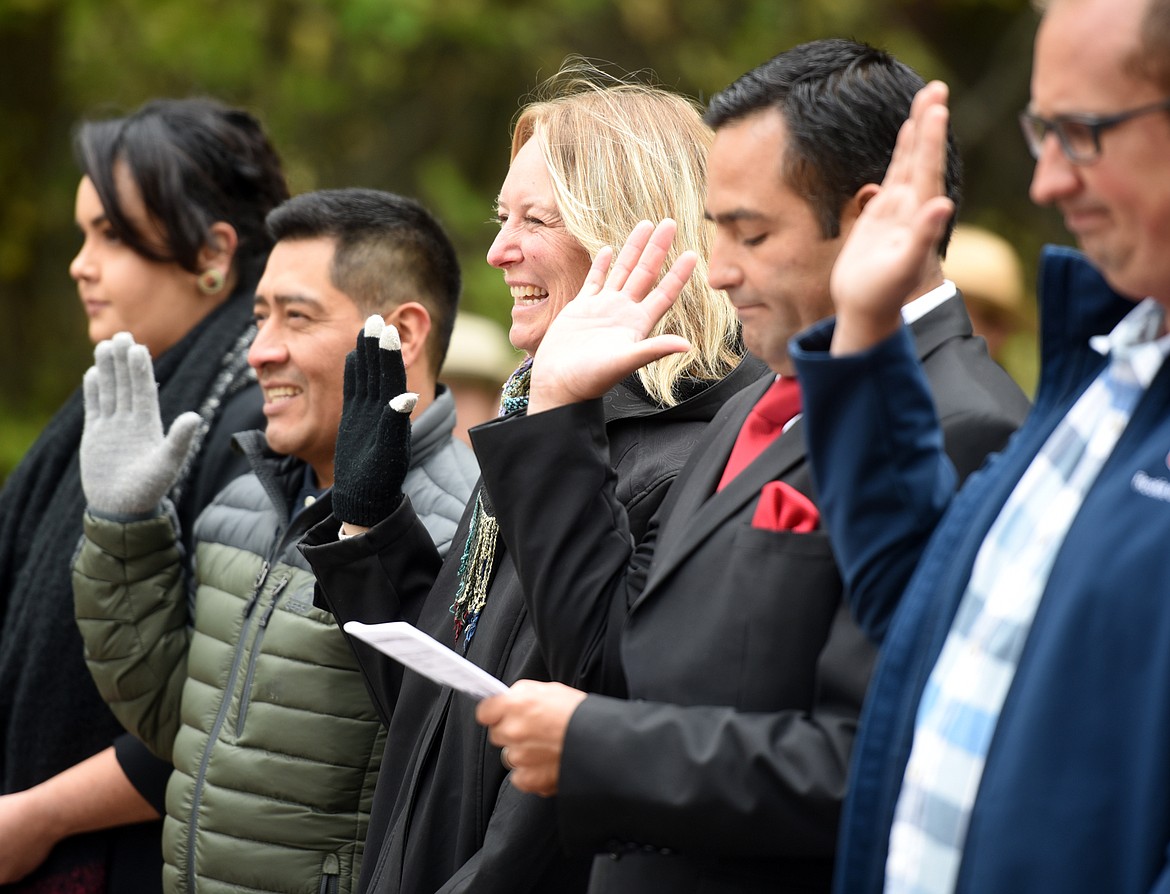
763,425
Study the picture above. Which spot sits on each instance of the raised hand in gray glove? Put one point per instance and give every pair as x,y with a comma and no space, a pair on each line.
127,465
373,442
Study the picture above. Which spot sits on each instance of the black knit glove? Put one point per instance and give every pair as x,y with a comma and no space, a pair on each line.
373,442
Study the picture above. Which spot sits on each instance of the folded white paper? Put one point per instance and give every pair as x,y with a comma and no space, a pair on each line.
422,653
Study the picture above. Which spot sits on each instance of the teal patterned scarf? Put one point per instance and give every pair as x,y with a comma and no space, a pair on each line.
479,552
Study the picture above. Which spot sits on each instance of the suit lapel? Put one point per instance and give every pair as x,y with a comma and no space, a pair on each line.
701,512
947,321
703,471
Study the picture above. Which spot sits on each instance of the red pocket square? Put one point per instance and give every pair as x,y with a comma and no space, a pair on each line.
784,508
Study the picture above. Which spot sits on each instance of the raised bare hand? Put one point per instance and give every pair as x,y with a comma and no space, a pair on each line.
894,241
603,335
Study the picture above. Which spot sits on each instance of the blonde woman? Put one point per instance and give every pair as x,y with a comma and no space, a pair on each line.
590,158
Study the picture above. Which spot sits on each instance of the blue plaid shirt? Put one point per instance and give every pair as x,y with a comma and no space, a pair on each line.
965,692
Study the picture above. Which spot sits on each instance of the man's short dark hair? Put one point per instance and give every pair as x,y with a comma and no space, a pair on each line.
388,250
843,103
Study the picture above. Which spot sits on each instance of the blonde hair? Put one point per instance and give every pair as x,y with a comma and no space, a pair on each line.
620,152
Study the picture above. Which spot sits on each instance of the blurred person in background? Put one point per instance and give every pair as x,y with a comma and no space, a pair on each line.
479,361
990,277
171,209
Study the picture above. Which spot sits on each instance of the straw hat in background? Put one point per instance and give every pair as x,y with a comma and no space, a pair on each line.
988,272
478,362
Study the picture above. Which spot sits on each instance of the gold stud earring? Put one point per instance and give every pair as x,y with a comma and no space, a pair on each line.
211,281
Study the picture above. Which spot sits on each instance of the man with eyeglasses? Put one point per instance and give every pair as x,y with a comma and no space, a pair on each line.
1016,735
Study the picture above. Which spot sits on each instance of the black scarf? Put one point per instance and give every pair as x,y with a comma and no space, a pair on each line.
51,715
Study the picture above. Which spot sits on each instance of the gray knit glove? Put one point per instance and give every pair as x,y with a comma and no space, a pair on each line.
127,465
373,443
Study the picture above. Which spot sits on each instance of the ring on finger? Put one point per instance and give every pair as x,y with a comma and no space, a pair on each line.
504,759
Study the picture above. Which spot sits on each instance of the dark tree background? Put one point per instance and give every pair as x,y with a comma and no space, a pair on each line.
417,96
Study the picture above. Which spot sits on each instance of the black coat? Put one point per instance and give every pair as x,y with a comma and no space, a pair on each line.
722,764
51,716
445,817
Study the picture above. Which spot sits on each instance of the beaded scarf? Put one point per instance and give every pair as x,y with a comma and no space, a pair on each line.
479,552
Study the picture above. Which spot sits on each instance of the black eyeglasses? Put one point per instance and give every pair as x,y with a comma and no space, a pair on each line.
1079,135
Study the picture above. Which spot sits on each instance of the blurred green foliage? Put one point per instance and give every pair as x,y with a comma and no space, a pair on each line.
417,96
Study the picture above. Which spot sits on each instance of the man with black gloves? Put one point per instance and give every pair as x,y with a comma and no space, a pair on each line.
260,704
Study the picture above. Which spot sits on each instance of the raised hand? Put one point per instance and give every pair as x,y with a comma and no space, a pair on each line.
372,454
127,464
602,335
894,241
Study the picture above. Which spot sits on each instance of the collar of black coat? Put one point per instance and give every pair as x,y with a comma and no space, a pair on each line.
701,400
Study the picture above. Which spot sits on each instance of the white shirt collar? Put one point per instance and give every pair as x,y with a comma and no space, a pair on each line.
1136,340
924,304
911,311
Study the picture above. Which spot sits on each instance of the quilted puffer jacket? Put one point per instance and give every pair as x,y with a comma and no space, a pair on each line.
257,700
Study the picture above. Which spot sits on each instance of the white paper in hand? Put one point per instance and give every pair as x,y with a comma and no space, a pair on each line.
424,654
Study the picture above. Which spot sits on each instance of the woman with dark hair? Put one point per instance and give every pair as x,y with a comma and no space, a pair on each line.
171,207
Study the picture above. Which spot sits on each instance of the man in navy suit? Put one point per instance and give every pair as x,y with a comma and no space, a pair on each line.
727,674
